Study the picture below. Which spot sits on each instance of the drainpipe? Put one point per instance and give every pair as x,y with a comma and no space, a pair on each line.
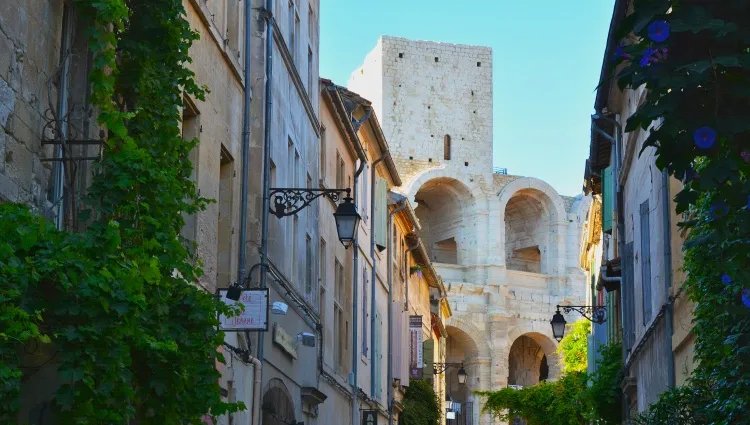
62,114
245,147
389,244
257,377
669,312
374,278
355,295
267,14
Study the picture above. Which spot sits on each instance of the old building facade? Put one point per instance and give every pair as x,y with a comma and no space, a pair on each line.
44,70
641,254
507,247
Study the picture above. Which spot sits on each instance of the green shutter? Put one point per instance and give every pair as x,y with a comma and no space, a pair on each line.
377,355
428,350
381,211
608,196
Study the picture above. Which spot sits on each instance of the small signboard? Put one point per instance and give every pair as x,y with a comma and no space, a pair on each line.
416,354
450,415
255,316
369,417
283,339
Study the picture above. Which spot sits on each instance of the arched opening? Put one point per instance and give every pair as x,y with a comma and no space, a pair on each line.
460,349
447,147
527,229
443,205
528,360
277,405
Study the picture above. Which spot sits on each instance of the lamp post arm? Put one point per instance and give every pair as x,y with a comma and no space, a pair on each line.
596,314
290,201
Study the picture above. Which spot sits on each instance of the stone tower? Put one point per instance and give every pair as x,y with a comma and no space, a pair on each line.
435,103
507,247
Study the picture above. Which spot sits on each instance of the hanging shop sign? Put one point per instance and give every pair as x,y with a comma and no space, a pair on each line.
255,315
369,417
416,355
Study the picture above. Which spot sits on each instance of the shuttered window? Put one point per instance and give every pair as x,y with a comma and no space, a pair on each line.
628,295
608,197
645,263
381,213
377,356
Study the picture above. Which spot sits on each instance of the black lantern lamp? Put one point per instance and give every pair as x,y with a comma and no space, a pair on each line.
558,325
347,221
462,376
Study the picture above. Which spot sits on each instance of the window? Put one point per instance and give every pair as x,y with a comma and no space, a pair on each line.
310,72
365,284
292,28
234,13
224,220
190,131
310,23
340,325
340,171
363,192
308,267
645,262
322,153
447,147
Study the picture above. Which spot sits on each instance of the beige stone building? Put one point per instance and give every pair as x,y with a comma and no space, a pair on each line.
44,68
351,140
507,247
641,240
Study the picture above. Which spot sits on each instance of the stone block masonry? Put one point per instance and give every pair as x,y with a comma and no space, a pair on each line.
435,103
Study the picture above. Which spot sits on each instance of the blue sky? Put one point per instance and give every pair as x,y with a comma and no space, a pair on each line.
547,59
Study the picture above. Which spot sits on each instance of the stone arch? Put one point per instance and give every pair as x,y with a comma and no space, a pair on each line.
411,188
277,405
477,336
533,227
553,200
539,333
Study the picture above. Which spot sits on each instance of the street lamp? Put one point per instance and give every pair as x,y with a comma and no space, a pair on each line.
462,376
347,220
288,202
596,314
438,368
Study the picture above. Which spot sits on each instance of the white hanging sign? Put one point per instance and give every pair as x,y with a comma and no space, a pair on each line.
255,316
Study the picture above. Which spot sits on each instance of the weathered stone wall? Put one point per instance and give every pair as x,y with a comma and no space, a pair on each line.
423,91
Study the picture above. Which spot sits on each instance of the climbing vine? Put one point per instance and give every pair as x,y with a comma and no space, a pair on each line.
693,58
133,338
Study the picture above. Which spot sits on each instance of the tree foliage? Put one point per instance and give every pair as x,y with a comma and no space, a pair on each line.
574,347
576,398
421,405
135,339
693,58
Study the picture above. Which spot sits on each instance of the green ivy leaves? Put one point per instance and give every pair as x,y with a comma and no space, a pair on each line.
135,339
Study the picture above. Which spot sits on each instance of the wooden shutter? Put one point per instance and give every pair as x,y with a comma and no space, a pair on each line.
377,356
429,356
607,199
380,197
628,295
645,262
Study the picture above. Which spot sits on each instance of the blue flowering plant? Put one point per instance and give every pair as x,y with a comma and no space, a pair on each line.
693,58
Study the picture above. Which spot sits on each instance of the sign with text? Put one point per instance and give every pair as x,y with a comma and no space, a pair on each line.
255,316
416,359
369,417
284,340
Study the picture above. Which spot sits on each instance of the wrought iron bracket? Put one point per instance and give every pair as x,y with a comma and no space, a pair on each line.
290,201
438,368
593,313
